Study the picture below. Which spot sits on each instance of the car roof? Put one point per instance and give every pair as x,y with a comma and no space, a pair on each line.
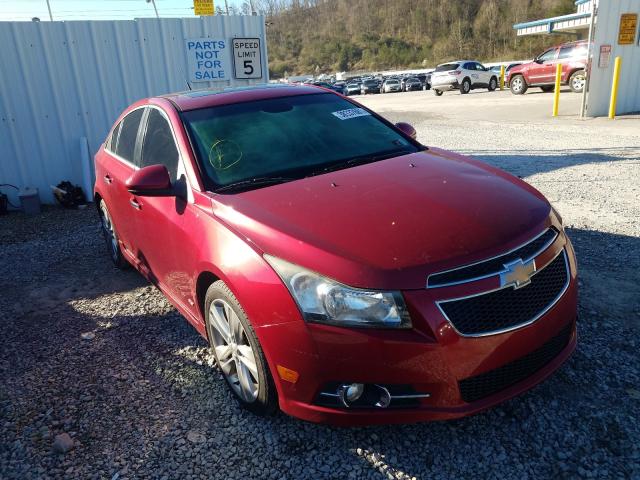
194,99
459,61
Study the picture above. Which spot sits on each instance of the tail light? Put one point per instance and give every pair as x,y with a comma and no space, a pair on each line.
454,72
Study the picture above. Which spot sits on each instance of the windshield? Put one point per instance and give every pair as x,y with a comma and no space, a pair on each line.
446,67
369,83
290,137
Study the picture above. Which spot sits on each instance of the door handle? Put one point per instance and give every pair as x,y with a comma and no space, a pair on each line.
133,202
107,179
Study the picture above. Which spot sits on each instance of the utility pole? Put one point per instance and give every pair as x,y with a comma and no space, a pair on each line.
50,14
226,6
153,2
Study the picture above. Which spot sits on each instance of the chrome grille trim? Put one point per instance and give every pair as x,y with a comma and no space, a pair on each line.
520,325
497,272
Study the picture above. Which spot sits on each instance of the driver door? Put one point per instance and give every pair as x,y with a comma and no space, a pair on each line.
543,71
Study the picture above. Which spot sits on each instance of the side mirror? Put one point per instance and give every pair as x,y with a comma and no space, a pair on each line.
151,181
407,129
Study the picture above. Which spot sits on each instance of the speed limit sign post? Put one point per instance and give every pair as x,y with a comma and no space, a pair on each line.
247,58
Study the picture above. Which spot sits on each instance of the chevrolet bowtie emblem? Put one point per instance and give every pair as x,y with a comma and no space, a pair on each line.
517,273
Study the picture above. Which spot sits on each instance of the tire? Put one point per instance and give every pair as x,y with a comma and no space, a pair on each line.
548,88
577,81
518,85
465,86
493,84
437,93
111,237
228,326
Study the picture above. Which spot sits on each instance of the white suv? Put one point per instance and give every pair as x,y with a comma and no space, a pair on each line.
463,75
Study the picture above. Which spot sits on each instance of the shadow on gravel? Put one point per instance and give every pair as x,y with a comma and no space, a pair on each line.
141,399
525,164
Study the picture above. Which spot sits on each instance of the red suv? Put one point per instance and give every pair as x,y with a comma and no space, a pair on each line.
542,71
338,268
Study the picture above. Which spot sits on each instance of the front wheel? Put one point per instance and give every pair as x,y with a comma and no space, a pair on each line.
518,85
237,351
493,84
465,86
577,81
437,92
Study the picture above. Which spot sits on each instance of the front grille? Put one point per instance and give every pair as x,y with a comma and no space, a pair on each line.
509,308
494,381
495,265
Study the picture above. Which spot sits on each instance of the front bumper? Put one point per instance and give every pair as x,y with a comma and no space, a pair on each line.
431,357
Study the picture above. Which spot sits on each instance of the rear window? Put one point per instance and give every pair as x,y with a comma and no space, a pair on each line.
446,67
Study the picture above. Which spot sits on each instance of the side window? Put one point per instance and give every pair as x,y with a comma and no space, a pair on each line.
548,55
469,66
158,146
566,52
128,133
480,68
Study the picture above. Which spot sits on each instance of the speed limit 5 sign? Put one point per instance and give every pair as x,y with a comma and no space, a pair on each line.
247,58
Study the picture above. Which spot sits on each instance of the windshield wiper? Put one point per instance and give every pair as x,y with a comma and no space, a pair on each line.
253,182
359,160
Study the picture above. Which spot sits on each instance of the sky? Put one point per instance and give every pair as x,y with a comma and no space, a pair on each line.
97,9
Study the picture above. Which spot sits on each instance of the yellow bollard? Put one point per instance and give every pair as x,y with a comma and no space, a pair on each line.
501,77
614,88
556,94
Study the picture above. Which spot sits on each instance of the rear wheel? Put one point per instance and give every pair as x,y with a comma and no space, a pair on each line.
577,81
465,86
111,237
237,351
493,84
547,88
437,92
518,85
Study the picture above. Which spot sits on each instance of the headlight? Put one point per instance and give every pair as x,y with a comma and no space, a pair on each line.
323,300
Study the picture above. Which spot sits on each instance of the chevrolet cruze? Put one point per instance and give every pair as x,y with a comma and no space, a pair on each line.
339,269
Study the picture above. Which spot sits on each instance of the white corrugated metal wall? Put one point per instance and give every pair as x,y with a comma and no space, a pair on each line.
61,81
606,33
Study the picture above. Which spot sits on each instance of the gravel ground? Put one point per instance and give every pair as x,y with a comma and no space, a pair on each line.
99,355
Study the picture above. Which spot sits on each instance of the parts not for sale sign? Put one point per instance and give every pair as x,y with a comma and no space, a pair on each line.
247,58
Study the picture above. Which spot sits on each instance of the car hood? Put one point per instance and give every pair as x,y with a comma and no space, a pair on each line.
388,224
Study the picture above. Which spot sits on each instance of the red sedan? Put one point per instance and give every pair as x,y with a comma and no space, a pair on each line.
338,268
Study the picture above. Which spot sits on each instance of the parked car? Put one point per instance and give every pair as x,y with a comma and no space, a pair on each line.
463,75
541,72
334,87
391,85
425,78
353,88
411,84
287,224
496,70
370,86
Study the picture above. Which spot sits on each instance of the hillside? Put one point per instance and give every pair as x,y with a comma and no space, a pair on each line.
316,36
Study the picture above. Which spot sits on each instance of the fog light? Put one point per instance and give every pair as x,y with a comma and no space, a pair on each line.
350,392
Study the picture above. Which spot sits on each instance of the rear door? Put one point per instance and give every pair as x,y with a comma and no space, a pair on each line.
119,164
161,231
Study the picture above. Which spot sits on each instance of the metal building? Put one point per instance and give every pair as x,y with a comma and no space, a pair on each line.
62,84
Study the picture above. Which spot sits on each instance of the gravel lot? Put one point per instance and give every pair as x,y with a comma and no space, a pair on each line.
100,355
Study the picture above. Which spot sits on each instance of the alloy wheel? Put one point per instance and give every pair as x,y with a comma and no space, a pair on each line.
109,232
577,82
235,356
516,84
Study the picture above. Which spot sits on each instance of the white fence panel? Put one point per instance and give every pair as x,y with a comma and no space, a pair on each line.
62,81
606,33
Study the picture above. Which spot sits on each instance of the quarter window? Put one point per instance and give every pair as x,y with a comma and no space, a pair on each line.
158,147
112,142
128,133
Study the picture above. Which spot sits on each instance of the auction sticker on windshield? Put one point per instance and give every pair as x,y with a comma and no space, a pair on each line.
350,113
